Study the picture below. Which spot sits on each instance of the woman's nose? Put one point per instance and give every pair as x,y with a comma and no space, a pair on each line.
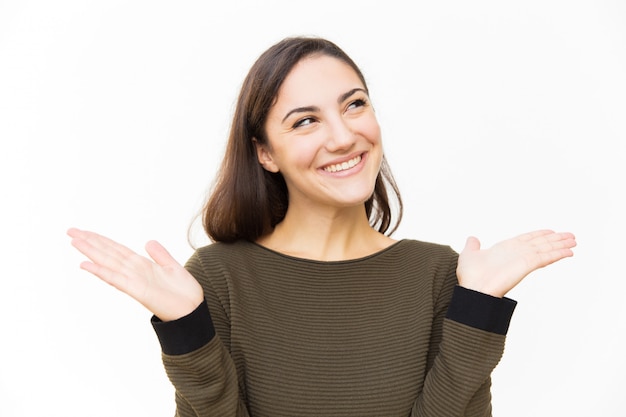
340,135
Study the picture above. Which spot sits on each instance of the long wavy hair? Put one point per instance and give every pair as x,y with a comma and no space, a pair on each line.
247,201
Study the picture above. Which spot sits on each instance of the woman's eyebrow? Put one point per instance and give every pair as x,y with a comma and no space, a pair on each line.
306,109
312,109
345,96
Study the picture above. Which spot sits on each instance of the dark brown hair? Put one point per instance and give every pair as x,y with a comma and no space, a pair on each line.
247,201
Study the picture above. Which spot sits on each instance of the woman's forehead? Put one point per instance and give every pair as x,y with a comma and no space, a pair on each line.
317,77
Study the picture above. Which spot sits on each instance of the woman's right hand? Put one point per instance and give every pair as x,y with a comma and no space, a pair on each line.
164,287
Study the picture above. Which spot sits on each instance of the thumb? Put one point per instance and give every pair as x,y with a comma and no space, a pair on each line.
471,244
159,254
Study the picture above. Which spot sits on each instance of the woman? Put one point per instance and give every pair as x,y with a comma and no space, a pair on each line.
304,305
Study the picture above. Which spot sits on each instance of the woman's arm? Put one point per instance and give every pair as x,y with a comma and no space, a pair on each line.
470,326
205,378
195,360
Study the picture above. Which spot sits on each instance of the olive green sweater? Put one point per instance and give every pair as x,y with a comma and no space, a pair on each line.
387,335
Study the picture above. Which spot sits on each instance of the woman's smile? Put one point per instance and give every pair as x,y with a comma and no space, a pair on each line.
345,166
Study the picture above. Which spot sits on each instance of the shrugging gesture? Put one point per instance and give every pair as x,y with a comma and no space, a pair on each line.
289,326
497,270
163,286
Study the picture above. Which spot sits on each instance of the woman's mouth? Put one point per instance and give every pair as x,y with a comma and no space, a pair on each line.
344,165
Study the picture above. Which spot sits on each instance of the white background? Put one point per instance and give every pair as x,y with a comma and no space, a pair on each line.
498,118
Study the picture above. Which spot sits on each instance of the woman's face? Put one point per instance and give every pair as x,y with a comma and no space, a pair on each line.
323,136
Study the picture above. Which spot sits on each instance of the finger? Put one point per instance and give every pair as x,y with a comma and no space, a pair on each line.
558,245
159,254
554,241
472,244
553,247
112,278
564,238
100,242
535,234
108,256
97,258
547,258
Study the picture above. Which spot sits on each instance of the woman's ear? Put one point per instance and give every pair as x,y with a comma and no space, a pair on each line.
265,157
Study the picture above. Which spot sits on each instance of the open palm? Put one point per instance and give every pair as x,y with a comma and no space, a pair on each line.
162,285
497,270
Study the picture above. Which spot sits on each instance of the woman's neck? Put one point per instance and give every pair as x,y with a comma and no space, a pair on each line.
333,235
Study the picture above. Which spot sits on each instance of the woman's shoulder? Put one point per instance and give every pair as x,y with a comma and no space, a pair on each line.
415,246
225,251
216,261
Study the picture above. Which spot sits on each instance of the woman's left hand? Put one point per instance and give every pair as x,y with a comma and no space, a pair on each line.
497,270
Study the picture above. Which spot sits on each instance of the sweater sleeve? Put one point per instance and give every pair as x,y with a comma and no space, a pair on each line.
467,342
197,362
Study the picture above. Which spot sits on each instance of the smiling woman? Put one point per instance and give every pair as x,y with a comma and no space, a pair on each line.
323,138
290,93
304,305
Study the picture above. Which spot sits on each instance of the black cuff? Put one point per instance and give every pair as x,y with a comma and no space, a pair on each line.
187,333
480,310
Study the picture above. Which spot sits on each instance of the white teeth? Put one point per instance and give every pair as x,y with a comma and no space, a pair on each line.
344,165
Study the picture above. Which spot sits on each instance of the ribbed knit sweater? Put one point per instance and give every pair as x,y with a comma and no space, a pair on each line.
390,334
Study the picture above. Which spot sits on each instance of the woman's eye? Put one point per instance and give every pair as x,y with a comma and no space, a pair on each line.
304,122
357,103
